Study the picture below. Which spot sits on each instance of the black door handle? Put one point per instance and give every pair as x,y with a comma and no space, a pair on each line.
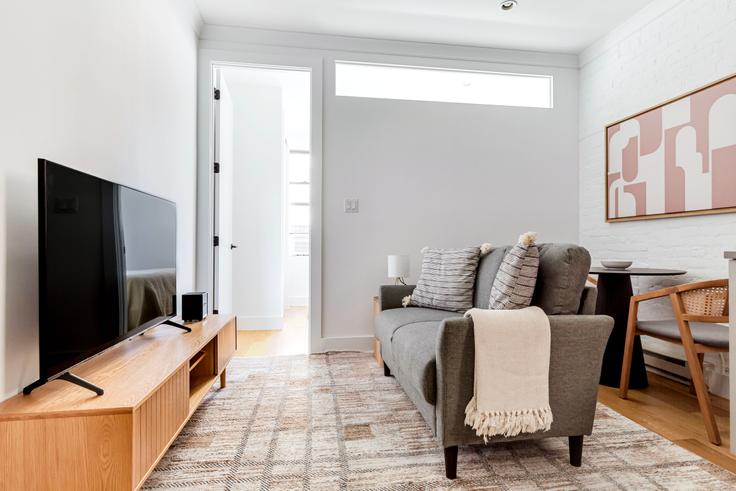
233,246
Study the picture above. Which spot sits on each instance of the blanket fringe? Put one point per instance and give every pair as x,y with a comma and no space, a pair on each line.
507,423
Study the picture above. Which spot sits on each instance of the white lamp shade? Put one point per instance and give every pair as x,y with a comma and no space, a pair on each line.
398,266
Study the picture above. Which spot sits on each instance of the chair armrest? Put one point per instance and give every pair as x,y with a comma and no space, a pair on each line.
390,296
664,292
577,345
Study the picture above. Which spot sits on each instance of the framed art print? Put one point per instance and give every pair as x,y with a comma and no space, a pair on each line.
675,159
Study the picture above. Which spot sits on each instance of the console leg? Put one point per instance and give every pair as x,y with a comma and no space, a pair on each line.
223,380
451,462
169,322
81,382
576,450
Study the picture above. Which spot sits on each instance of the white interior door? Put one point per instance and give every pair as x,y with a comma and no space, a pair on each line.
223,252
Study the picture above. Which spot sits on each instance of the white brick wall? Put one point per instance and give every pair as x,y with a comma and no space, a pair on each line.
669,48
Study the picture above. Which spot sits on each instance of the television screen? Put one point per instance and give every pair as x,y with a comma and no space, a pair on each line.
107,264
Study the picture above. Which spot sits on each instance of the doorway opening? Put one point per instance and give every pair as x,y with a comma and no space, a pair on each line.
262,205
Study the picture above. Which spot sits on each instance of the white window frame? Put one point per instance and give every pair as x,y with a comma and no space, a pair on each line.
446,85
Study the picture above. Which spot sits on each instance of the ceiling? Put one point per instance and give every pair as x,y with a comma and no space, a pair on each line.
540,25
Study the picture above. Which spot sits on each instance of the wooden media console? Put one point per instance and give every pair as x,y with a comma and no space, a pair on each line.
65,437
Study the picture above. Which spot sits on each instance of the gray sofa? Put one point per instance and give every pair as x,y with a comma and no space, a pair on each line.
431,352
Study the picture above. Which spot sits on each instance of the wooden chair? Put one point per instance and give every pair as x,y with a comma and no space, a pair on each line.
699,308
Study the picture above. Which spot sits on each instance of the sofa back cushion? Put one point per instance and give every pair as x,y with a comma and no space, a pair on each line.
563,269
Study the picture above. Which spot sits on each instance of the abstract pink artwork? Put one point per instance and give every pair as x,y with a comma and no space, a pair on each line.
675,159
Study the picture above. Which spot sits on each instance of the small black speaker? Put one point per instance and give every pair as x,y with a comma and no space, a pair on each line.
194,306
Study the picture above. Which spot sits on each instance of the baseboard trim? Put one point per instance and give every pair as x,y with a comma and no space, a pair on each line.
297,302
260,323
347,343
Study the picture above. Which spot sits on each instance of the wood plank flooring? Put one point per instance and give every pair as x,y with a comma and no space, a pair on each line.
291,340
669,409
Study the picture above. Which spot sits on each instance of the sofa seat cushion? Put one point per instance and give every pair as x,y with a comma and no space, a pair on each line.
414,347
703,332
388,321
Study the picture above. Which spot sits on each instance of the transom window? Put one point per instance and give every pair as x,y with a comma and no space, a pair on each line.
415,83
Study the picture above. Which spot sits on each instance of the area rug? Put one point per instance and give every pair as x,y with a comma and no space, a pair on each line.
333,421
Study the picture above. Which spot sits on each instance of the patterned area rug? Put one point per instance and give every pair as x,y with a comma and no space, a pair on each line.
333,421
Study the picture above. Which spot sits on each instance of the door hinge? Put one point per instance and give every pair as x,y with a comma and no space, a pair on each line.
217,167
217,94
215,241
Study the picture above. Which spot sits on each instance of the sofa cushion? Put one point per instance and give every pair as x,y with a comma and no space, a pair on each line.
388,321
487,269
563,270
414,347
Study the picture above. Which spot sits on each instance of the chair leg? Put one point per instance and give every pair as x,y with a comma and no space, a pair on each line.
701,390
696,373
623,390
386,370
701,358
576,450
451,462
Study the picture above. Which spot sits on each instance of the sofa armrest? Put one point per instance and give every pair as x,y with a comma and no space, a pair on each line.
577,344
588,300
391,296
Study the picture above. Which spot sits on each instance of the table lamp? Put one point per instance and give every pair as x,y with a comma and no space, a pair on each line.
398,268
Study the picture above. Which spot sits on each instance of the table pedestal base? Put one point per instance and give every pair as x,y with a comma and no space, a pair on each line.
614,296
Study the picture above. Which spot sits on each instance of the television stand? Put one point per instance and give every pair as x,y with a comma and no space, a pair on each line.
69,377
63,437
169,322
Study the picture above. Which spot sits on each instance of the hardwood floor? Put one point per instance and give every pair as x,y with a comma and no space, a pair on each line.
669,409
291,340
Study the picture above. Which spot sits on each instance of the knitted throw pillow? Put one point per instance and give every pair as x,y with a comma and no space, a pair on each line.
514,284
447,278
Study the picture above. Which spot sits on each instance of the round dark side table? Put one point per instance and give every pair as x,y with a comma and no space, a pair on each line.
614,296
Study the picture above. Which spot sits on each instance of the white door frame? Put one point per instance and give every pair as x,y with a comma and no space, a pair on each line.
209,59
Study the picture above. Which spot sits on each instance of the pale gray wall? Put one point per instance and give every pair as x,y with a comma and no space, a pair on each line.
107,87
440,175
445,175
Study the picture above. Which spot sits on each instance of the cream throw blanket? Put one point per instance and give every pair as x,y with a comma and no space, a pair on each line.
511,393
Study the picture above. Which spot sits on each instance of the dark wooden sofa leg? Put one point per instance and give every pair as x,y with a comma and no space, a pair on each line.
576,450
451,462
386,370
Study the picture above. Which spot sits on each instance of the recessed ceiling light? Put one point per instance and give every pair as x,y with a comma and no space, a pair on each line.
507,5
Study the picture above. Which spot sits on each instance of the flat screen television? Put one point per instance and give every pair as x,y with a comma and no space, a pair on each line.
107,266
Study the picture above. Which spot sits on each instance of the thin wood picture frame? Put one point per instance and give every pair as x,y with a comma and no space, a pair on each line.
659,127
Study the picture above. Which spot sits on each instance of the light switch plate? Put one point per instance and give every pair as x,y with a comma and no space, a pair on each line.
352,205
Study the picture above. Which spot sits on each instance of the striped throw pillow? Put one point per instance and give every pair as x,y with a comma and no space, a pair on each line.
513,287
447,278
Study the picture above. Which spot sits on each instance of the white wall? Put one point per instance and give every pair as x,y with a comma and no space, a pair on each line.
667,49
446,175
258,182
105,86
